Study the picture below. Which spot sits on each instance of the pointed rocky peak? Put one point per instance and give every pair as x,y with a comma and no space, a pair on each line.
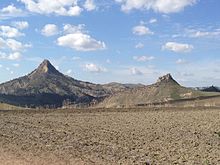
166,78
46,68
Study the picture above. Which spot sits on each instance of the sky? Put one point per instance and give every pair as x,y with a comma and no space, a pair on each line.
102,41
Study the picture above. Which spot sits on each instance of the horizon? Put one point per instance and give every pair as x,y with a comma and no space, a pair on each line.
113,41
46,61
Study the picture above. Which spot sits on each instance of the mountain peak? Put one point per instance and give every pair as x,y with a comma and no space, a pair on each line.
46,67
166,78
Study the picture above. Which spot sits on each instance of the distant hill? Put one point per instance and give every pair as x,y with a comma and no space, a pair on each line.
115,87
46,86
164,90
208,89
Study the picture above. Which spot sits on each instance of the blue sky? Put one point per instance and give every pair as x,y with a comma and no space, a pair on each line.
128,41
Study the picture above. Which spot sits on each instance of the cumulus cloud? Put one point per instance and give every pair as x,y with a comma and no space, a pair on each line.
58,7
3,55
75,37
141,30
11,56
14,56
2,43
10,32
162,6
143,58
177,47
135,71
139,45
94,68
89,5
21,25
12,44
68,28
49,30
10,11
16,45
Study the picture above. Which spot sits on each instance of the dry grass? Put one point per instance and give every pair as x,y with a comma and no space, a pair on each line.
4,106
131,137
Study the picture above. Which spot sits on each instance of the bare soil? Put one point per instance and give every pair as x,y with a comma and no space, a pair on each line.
177,136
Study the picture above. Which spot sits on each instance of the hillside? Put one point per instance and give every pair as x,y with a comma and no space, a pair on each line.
4,106
164,90
46,86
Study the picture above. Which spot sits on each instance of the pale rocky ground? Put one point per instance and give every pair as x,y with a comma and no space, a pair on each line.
117,137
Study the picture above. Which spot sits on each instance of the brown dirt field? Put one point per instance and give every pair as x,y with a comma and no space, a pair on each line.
130,137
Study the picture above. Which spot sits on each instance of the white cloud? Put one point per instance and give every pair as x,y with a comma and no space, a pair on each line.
2,43
16,45
181,61
162,6
139,45
10,32
203,33
21,25
74,11
12,44
141,30
177,47
68,29
10,11
69,71
49,30
58,7
143,58
94,68
135,71
3,55
1,66
89,5
77,39
153,20
12,56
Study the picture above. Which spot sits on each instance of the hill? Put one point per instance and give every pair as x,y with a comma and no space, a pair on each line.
211,89
166,89
47,87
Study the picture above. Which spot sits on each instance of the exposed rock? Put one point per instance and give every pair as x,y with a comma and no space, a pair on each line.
46,86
